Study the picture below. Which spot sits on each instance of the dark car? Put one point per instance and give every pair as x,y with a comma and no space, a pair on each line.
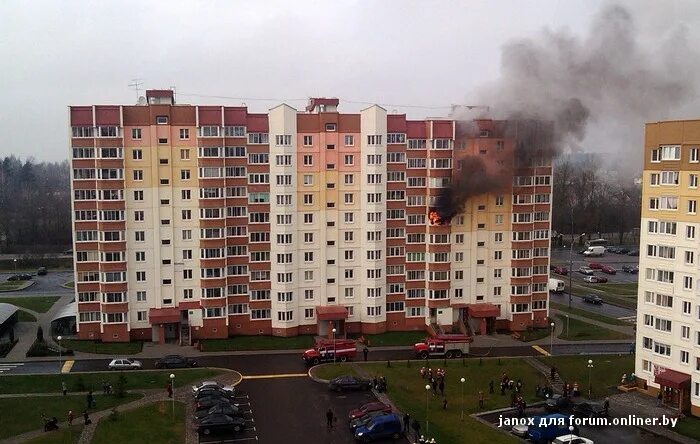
223,408
346,382
365,419
561,270
633,253
589,410
367,408
219,423
607,269
214,391
175,361
41,271
622,250
20,277
208,402
595,266
630,269
593,299
557,403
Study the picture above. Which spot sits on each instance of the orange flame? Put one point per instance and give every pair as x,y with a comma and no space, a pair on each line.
434,218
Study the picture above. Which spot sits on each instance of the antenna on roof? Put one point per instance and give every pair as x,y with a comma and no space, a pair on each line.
136,86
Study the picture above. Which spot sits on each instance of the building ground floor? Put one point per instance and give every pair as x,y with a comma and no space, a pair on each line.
671,388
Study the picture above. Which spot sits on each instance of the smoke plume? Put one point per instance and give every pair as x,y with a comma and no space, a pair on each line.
597,91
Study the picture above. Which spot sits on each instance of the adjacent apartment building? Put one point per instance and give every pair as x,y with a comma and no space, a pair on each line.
668,319
210,221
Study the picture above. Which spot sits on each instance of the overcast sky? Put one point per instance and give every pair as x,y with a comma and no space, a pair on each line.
429,53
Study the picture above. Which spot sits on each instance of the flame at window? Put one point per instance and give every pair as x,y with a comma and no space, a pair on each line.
435,218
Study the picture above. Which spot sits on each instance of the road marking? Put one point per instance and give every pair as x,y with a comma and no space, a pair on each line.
287,375
541,350
67,366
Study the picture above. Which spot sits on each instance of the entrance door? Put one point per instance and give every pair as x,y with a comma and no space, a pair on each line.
171,331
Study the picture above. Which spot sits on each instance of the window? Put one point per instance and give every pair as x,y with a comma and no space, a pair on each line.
330,126
694,157
685,332
374,311
692,206
671,152
349,140
184,133
689,232
283,140
257,138
374,139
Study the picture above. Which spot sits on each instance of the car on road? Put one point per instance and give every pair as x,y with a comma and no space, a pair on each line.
634,269
41,271
595,266
20,277
175,361
124,364
207,402
589,410
348,382
593,299
224,408
557,403
367,408
365,419
560,270
633,253
595,279
585,270
622,250
572,439
381,427
205,385
607,269
219,423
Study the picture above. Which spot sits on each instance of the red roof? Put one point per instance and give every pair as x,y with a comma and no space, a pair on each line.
331,312
314,101
672,378
163,315
483,310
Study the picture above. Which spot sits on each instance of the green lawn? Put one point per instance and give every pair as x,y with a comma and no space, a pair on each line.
689,426
39,304
583,331
534,334
140,379
330,371
407,390
589,314
69,284
258,343
13,285
26,411
109,348
396,338
150,424
24,316
605,375
610,293
63,435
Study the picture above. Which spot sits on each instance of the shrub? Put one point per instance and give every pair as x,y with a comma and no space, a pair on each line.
120,386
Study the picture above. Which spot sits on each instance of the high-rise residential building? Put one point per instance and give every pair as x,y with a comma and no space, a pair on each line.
209,221
668,315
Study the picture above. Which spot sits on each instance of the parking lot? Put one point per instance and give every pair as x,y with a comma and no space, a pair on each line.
249,433
51,283
560,257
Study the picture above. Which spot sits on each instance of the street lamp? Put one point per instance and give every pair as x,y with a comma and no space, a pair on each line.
334,350
567,326
60,364
427,392
551,340
172,387
15,261
590,369
461,416
571,434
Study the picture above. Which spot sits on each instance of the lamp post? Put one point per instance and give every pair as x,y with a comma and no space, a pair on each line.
461,416
15,261
334,330
590,369
571,434
172,386
567,326
551,340
427,392
60,364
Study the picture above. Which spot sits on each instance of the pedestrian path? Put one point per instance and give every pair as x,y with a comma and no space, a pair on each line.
9,366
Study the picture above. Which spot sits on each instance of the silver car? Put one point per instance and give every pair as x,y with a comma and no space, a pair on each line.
211,385
125,364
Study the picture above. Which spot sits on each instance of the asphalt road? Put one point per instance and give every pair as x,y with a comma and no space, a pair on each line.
49,284
604,309
561,257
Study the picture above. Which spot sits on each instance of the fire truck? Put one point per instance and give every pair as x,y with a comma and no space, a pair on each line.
328,350
448,346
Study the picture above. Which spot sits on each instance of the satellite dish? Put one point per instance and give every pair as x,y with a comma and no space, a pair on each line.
142,100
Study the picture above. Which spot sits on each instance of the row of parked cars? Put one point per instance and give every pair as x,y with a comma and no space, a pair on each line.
215,409
555,426
169,361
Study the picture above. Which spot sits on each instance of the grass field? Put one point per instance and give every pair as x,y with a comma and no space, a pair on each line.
534,334
140,379
589,314
27,411
64,435
24,316
583,331
407,391
109,348
258,343
396,338
150,424
13,285
69,284
690,427
623,295
40,304
606,373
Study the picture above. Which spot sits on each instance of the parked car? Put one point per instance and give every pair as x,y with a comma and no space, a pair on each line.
633,253
589,410
634,269
175,361
68,252
546,428
572,439
41,271
585,270
622,250
596,279
20,277
219,423
593,299
611,249
215,391
209,384
124,364
557,403
561,270
381,427
365,419
607,269
223,408
347,382
367,408
595,266
207,402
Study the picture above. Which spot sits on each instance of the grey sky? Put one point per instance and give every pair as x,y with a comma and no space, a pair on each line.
57,53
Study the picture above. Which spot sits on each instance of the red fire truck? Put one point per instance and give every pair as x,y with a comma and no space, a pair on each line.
449,346
326,349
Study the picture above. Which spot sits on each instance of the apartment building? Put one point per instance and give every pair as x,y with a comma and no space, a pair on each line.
668,317
210,221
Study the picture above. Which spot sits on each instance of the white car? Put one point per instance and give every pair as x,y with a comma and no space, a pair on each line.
572,439
211,385
519,430
125,364
586,270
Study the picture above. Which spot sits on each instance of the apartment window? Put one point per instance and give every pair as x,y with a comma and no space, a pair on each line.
184,154
349,140
686,308
694,155
186,234
374,311
330,126
307,160
186,194
692,206
140,276
308,275
690,232
685,332
687,283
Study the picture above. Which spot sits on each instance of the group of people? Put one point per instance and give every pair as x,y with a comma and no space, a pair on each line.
52,423
508,384
436,380
379,384
106,388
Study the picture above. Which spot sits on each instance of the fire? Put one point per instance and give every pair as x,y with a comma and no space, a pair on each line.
435,218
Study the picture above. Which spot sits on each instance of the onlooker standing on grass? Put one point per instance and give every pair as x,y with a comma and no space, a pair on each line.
170,389
442,387
481,400
90,398
659,397
71,417
365,352
406,422
64,388
491,387
444,403
86,418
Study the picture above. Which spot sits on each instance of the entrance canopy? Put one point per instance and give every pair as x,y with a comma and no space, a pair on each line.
672,378
68,311
6,312
331,312
483,310
163,315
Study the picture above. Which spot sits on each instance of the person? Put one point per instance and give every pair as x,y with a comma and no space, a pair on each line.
623,380
104,387
169,388
423,372
444,403
658,399
329,419
434,383
406,422
64,388
86,418
442,387
374,383
538,390
552,373
606,405
521,410
421,440
519,385
576,391
481,400
365,352
491,387
90,398
71,417
109,388
503,388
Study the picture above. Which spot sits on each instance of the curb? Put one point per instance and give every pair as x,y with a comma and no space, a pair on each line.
32,282
315,378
